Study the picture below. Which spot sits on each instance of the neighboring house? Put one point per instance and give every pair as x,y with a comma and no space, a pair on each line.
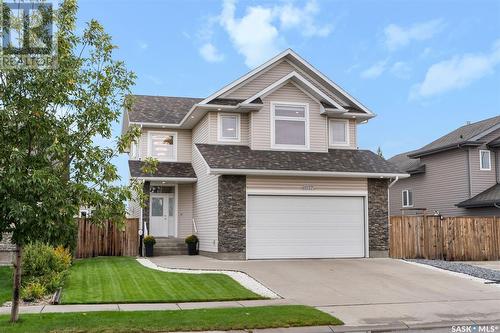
6,250
266,167
457,174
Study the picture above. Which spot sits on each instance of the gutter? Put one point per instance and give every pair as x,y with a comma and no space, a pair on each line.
445,148
217,171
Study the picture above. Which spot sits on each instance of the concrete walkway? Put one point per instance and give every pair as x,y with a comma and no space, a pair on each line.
142,306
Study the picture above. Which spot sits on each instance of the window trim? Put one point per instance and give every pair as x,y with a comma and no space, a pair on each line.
481,167
408,197
150,142
219,127
133,150
330,136
304,119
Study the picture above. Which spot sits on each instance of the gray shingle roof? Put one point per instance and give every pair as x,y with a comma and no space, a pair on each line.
164,169
335,160
461,135
494,143
160,109
487,198
407,164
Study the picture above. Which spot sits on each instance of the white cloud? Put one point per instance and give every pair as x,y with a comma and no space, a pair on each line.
253,35
258,34
397,36
401,70
304,19
210,53
457,72
374,71
142,45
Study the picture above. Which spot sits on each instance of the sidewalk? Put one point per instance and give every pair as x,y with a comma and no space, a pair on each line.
142,306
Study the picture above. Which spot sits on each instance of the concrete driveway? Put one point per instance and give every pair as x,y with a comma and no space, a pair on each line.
366,291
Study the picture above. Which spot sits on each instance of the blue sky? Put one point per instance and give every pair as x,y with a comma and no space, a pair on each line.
424,67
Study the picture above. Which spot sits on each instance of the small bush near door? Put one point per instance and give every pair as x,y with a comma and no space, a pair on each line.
44,270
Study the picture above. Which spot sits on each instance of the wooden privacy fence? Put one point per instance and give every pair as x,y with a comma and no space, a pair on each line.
107,239
449,238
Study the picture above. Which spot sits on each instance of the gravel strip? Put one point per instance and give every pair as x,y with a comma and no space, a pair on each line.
476,271
242,278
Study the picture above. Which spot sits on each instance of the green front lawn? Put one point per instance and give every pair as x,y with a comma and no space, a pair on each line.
177,320
5,284
124,280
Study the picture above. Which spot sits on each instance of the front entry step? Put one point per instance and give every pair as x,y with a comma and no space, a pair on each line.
170,246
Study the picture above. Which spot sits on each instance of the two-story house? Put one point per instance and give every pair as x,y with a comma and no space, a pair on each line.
455,175
266,167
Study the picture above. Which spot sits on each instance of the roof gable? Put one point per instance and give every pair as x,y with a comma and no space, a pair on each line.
300,66
470,134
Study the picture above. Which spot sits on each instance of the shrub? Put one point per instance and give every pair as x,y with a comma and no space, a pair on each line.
149,240
38,260
63,258
45,266
191,239
33,291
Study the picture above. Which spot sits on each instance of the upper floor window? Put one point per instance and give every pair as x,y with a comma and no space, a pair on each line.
290,127
339,132
162,145
407,198
484,160
229,127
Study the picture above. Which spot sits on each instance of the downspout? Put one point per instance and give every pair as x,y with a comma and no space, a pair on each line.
389,195
469,185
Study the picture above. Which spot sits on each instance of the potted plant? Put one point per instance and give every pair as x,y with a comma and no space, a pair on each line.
149,242
192,244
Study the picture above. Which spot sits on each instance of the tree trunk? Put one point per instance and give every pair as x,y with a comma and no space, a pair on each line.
14,314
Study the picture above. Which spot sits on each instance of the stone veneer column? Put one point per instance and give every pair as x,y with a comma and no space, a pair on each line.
145,210
232,216
378,217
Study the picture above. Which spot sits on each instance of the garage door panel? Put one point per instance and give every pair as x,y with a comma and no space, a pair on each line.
305,227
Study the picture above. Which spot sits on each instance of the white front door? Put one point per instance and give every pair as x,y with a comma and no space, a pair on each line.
161,216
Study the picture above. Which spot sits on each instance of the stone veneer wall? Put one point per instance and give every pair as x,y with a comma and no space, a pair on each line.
6,249
232,214
378,217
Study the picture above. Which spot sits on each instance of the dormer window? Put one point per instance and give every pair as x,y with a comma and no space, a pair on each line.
339,132
290,127
162,145
229,127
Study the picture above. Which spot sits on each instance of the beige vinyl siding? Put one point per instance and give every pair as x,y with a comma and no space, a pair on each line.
133,207
319,184
205,193
201,130
443,185
185,210
261,120
184,143
267,77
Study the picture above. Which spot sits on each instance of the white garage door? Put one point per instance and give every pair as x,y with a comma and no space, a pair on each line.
305,227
